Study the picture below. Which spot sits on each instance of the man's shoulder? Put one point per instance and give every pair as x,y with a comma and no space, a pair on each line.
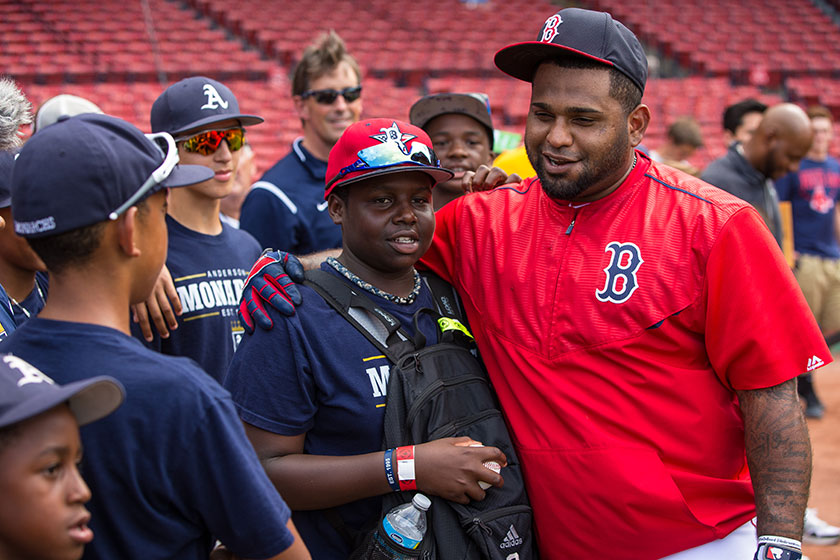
695,196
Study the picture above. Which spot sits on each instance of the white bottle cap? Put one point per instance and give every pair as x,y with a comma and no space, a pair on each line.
421,502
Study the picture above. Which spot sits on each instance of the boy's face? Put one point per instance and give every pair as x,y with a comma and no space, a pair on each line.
152,237
42,513
224,162
388,221
461,143
14,250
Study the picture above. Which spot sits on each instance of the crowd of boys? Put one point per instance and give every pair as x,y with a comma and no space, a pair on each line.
99,216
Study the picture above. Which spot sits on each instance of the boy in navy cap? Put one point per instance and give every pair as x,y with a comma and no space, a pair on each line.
461,130
208,260
42,513
171,471
22,272
319,420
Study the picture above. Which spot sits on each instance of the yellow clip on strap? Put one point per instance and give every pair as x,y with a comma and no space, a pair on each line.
449,324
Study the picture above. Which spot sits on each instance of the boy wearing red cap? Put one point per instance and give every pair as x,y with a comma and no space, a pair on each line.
322,419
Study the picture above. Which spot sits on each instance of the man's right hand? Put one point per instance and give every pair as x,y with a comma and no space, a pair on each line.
272,279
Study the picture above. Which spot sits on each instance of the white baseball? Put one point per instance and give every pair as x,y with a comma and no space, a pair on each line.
493,466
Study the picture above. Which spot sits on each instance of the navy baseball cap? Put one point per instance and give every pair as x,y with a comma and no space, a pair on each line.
195,102
7,160
89,168
26,392
593,35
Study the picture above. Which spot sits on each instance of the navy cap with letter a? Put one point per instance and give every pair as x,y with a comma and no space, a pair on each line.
25,392
574,31
89,168
196,102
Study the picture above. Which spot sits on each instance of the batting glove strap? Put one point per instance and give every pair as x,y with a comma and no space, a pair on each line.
771,547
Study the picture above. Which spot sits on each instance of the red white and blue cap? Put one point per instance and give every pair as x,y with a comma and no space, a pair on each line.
377,147
80,170
585,33
26,392
196,102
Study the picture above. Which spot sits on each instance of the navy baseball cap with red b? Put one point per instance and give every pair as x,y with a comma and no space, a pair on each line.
26,392
88,169
377,147
578,32
196,102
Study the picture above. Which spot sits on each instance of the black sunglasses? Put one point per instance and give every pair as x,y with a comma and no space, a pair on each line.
328,96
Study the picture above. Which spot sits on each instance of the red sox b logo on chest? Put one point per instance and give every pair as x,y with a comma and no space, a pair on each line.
621,282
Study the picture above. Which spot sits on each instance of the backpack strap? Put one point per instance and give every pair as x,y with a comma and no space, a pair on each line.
444,295
342,297
452,319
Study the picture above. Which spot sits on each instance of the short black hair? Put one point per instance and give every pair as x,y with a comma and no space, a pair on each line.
70,248
74,247
622,88
733,116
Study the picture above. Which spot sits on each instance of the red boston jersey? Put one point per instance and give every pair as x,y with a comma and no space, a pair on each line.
615,333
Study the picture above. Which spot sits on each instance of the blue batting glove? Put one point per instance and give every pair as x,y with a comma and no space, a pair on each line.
271,280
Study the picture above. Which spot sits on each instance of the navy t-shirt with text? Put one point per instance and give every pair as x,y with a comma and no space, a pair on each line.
209,272
315,373
171,470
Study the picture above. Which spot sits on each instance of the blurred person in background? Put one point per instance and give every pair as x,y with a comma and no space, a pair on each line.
232,203
62,105
741,119
461,128
747,170
15,112
684,138
813,191
286,209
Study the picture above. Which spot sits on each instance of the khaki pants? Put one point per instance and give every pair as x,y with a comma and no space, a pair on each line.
819,279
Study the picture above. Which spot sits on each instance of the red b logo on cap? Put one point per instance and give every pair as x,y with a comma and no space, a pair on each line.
550,28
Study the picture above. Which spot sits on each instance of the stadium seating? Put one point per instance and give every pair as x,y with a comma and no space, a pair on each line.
120,55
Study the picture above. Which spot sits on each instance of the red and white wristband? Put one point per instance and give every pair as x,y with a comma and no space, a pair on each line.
404,457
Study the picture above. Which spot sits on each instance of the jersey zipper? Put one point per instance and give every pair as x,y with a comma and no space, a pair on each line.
572,224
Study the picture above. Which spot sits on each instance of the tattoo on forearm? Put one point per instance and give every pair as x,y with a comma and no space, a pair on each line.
779,457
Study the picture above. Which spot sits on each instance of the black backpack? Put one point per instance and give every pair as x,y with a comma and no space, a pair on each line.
437,390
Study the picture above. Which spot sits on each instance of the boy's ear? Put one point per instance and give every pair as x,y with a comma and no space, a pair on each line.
336,208
127,232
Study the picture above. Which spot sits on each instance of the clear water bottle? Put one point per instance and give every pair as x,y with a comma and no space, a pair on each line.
402,530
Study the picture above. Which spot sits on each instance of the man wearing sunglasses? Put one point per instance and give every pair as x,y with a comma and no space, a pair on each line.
286,208
208,260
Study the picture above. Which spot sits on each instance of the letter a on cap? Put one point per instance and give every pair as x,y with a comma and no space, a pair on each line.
214,100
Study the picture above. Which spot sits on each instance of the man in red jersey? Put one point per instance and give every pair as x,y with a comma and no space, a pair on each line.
641,327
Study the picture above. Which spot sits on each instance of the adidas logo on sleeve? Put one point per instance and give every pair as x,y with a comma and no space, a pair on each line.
814,362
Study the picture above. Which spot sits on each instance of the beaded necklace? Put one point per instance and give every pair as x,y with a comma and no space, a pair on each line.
368,287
